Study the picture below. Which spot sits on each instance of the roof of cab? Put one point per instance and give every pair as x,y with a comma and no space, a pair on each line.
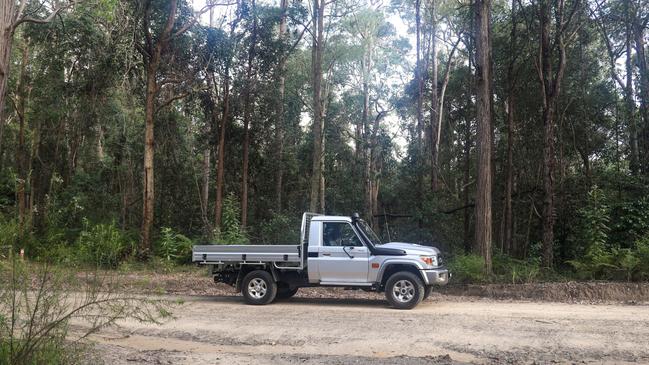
331,218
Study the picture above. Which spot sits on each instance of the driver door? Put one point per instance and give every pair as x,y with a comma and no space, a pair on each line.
342,257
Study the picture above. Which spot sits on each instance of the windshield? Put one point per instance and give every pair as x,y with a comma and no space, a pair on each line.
363,226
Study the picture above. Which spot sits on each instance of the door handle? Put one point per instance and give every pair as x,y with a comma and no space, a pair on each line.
326,254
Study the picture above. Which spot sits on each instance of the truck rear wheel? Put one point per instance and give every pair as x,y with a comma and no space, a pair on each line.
258,287
404,290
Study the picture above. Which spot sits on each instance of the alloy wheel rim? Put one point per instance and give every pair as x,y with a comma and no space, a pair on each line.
403,291
257,288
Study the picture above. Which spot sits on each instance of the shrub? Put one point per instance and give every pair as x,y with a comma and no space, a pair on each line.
509,269
280,229
38,304
173,246
467,269
103,245
642,253
230,232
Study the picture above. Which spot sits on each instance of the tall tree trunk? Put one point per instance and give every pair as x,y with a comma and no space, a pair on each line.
550,90
148,189
629,103
419,75
509,167
205,190
548,137
317,176
247,111
643,70
435,125
279,128
7,14
366,137
220,167
483,229
152,65
225,118
21,152
440,116
466,182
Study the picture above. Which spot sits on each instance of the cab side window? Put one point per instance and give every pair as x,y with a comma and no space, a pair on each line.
339,234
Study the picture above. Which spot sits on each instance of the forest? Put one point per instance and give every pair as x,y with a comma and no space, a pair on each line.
513,135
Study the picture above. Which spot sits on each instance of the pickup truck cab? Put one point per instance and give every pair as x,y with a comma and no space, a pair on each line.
334,251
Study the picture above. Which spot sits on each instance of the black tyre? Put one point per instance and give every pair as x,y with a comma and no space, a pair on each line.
285,293
427,291
258,287
404,290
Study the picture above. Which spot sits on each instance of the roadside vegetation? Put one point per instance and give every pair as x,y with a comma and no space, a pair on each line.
151,126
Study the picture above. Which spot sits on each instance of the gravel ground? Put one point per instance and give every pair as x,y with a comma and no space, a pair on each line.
332,326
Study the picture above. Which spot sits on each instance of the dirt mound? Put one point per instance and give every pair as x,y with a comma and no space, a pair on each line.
593,292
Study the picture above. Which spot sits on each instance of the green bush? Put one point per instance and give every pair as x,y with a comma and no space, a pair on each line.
467,269
230,232
280,229
103,245
40,302
511,270
173,247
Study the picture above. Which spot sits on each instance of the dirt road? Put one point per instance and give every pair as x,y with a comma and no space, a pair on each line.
442,330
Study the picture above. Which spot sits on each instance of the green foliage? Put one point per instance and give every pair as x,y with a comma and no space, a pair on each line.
280,229
173,247
602,257
642,253
230,232
467,269
103,245
9,233
514,271
39,302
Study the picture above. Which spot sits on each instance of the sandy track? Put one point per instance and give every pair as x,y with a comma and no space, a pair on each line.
310,330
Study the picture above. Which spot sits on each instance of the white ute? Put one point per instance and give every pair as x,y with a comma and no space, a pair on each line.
335,251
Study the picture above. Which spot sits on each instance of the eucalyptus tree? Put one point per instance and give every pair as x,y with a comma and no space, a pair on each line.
483,211
160,27
12,14
551,72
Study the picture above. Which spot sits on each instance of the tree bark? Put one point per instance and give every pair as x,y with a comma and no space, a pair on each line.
317,176
634,163
7,14
152,64
247,111
419,128
225,117
643,71
435,123
279,128
509,167
21,152
220,167
465,191
367,140
550,90
483,229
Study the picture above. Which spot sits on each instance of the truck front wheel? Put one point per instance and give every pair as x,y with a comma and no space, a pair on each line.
258,287
404,290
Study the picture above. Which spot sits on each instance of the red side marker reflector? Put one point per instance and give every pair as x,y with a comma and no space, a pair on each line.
375,266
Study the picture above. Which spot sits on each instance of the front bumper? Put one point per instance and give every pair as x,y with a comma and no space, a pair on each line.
436,276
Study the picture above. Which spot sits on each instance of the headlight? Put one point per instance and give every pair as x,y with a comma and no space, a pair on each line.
429,260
